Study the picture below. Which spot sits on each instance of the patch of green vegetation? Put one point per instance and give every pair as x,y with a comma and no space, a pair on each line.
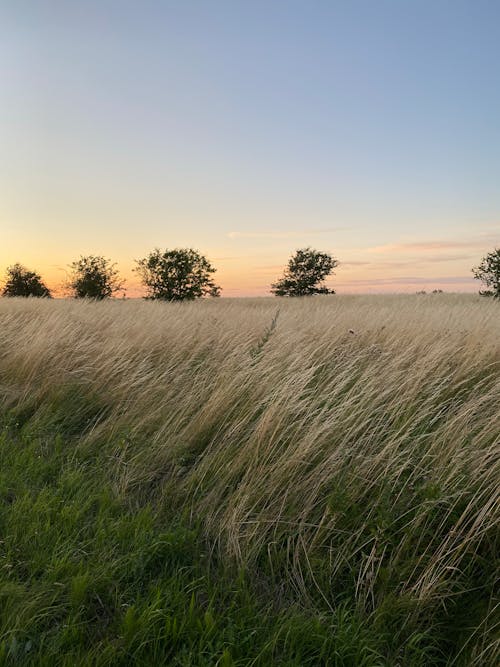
90,576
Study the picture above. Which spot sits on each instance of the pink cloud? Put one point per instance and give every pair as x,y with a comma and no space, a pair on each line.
429,246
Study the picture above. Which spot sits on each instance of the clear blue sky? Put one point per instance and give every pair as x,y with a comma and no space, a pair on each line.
248,129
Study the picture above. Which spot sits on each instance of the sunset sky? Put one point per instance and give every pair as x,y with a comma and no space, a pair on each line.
247,129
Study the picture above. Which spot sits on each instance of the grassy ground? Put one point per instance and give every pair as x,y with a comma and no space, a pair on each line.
250,482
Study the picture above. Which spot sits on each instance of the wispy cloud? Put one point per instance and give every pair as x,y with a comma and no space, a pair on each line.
355,263
421,246
410,280
380,263
432,246
491,228
449,258
284,235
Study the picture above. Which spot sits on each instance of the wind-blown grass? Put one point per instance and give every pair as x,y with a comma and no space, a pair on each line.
252,482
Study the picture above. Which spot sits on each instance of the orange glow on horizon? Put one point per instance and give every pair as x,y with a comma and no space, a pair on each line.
248,271
256,282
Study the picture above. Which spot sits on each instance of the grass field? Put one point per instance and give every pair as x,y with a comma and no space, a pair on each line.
250,482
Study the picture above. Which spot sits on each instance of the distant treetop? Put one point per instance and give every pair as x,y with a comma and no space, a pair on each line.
177,275
305,273
94,277
488,272
19,281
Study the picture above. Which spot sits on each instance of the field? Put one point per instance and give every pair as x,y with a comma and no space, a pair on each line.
250,482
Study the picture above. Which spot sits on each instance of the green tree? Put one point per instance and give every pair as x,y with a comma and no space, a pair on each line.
305,273
177,275
19,281
488,272
94,277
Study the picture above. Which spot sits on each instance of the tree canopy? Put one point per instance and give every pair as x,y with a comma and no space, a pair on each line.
305,273
177,275
94,277
488,272
19,281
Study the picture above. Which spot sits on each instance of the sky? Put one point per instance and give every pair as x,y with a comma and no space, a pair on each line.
249,128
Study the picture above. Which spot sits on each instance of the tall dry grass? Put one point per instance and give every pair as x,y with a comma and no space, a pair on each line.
335,443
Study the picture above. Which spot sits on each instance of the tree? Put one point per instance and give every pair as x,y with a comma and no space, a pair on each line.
19,281
305,273
177,275
94,277
488,272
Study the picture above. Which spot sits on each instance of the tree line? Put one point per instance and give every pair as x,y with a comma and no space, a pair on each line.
183,274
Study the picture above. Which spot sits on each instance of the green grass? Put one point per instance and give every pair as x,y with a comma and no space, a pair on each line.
211,484
91,578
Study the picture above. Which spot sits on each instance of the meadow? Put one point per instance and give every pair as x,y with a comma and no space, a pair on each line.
250,481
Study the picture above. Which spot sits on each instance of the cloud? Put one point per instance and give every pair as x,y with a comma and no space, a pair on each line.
410,280
284,235
355,263
409,263
449,258
421,246
430,246
488,229
434,259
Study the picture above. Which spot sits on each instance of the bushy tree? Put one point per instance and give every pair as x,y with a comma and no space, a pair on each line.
19,281
94,277
177,275
305,273
488,272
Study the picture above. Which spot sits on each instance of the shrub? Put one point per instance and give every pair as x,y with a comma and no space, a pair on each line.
177,275
305,273
20,281
94,277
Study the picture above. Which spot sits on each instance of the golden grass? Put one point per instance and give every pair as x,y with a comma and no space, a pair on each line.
334,439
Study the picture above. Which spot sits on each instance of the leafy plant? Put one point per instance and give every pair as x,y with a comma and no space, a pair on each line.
19,281
488,272
305,273
177,275
94,277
